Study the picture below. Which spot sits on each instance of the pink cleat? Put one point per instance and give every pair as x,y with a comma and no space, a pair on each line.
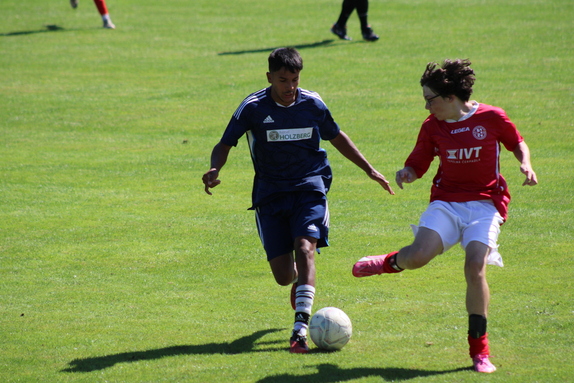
482,364
371,265
374,265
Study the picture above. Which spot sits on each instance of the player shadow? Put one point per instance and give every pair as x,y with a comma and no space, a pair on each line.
242,345
330,373
47,28
299,46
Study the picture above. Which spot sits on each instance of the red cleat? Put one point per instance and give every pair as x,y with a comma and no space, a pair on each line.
298,344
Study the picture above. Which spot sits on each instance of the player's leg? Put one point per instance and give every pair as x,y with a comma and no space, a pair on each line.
275,234
310,228
439,229
305,291
427,245
302,295
477,299
340,27
283,269
305,248
103,10
477,291
363,13
288,250
480,236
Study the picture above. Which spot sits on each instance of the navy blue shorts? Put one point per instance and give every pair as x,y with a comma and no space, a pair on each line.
289,216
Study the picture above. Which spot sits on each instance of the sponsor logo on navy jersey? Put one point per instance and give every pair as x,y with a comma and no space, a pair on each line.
289,134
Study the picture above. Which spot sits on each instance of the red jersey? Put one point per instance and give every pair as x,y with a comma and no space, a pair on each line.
469,153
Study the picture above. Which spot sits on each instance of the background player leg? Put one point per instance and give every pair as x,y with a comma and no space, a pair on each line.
103,9
340,27
363,13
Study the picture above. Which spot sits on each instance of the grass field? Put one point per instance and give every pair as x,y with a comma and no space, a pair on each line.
115,266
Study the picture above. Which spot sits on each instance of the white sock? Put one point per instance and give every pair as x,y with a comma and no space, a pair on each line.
300,328
305,295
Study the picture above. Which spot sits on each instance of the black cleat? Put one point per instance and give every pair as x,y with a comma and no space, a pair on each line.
341,32
369,35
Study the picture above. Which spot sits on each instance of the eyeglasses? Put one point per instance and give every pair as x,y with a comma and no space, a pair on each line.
428,100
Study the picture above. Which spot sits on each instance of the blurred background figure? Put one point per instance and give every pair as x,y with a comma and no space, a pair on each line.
102,8
362,7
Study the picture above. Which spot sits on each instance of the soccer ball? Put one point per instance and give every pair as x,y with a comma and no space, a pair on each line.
330,328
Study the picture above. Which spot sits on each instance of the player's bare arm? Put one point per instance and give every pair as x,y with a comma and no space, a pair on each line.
522,154
218,159
348,149
405,175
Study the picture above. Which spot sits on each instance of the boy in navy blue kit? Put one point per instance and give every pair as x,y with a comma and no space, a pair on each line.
284,125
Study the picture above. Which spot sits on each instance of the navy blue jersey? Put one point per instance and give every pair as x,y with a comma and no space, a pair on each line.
284,142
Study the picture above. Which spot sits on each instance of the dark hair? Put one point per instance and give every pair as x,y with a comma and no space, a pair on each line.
287,58
453,78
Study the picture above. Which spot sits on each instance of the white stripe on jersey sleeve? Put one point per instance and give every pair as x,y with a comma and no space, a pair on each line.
312,94
254,97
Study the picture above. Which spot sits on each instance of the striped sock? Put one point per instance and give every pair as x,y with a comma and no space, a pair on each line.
304,297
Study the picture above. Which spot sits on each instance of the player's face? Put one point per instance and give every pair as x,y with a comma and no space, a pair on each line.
443,108
433,102
284,84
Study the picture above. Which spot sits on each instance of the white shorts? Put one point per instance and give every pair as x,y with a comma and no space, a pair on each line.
465,222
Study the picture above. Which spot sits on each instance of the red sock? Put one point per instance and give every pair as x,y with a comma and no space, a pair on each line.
478,346
101,4
388,266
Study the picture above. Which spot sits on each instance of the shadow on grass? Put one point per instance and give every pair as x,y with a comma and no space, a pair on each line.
300,46
240,346
48,28
330,373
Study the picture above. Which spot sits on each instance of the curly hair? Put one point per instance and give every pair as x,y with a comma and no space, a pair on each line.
453,78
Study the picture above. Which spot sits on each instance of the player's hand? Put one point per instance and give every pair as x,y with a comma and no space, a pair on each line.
210,180
405,175
382,181
531,179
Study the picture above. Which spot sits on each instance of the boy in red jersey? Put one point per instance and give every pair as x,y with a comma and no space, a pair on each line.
469,197
102,8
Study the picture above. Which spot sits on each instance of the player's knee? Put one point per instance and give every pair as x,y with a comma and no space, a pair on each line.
305,249
283,279
475,264
283,269
474,270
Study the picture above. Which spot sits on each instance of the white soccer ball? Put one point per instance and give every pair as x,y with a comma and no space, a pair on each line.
330,328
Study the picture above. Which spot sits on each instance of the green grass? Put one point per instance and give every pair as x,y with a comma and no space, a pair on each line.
116,266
